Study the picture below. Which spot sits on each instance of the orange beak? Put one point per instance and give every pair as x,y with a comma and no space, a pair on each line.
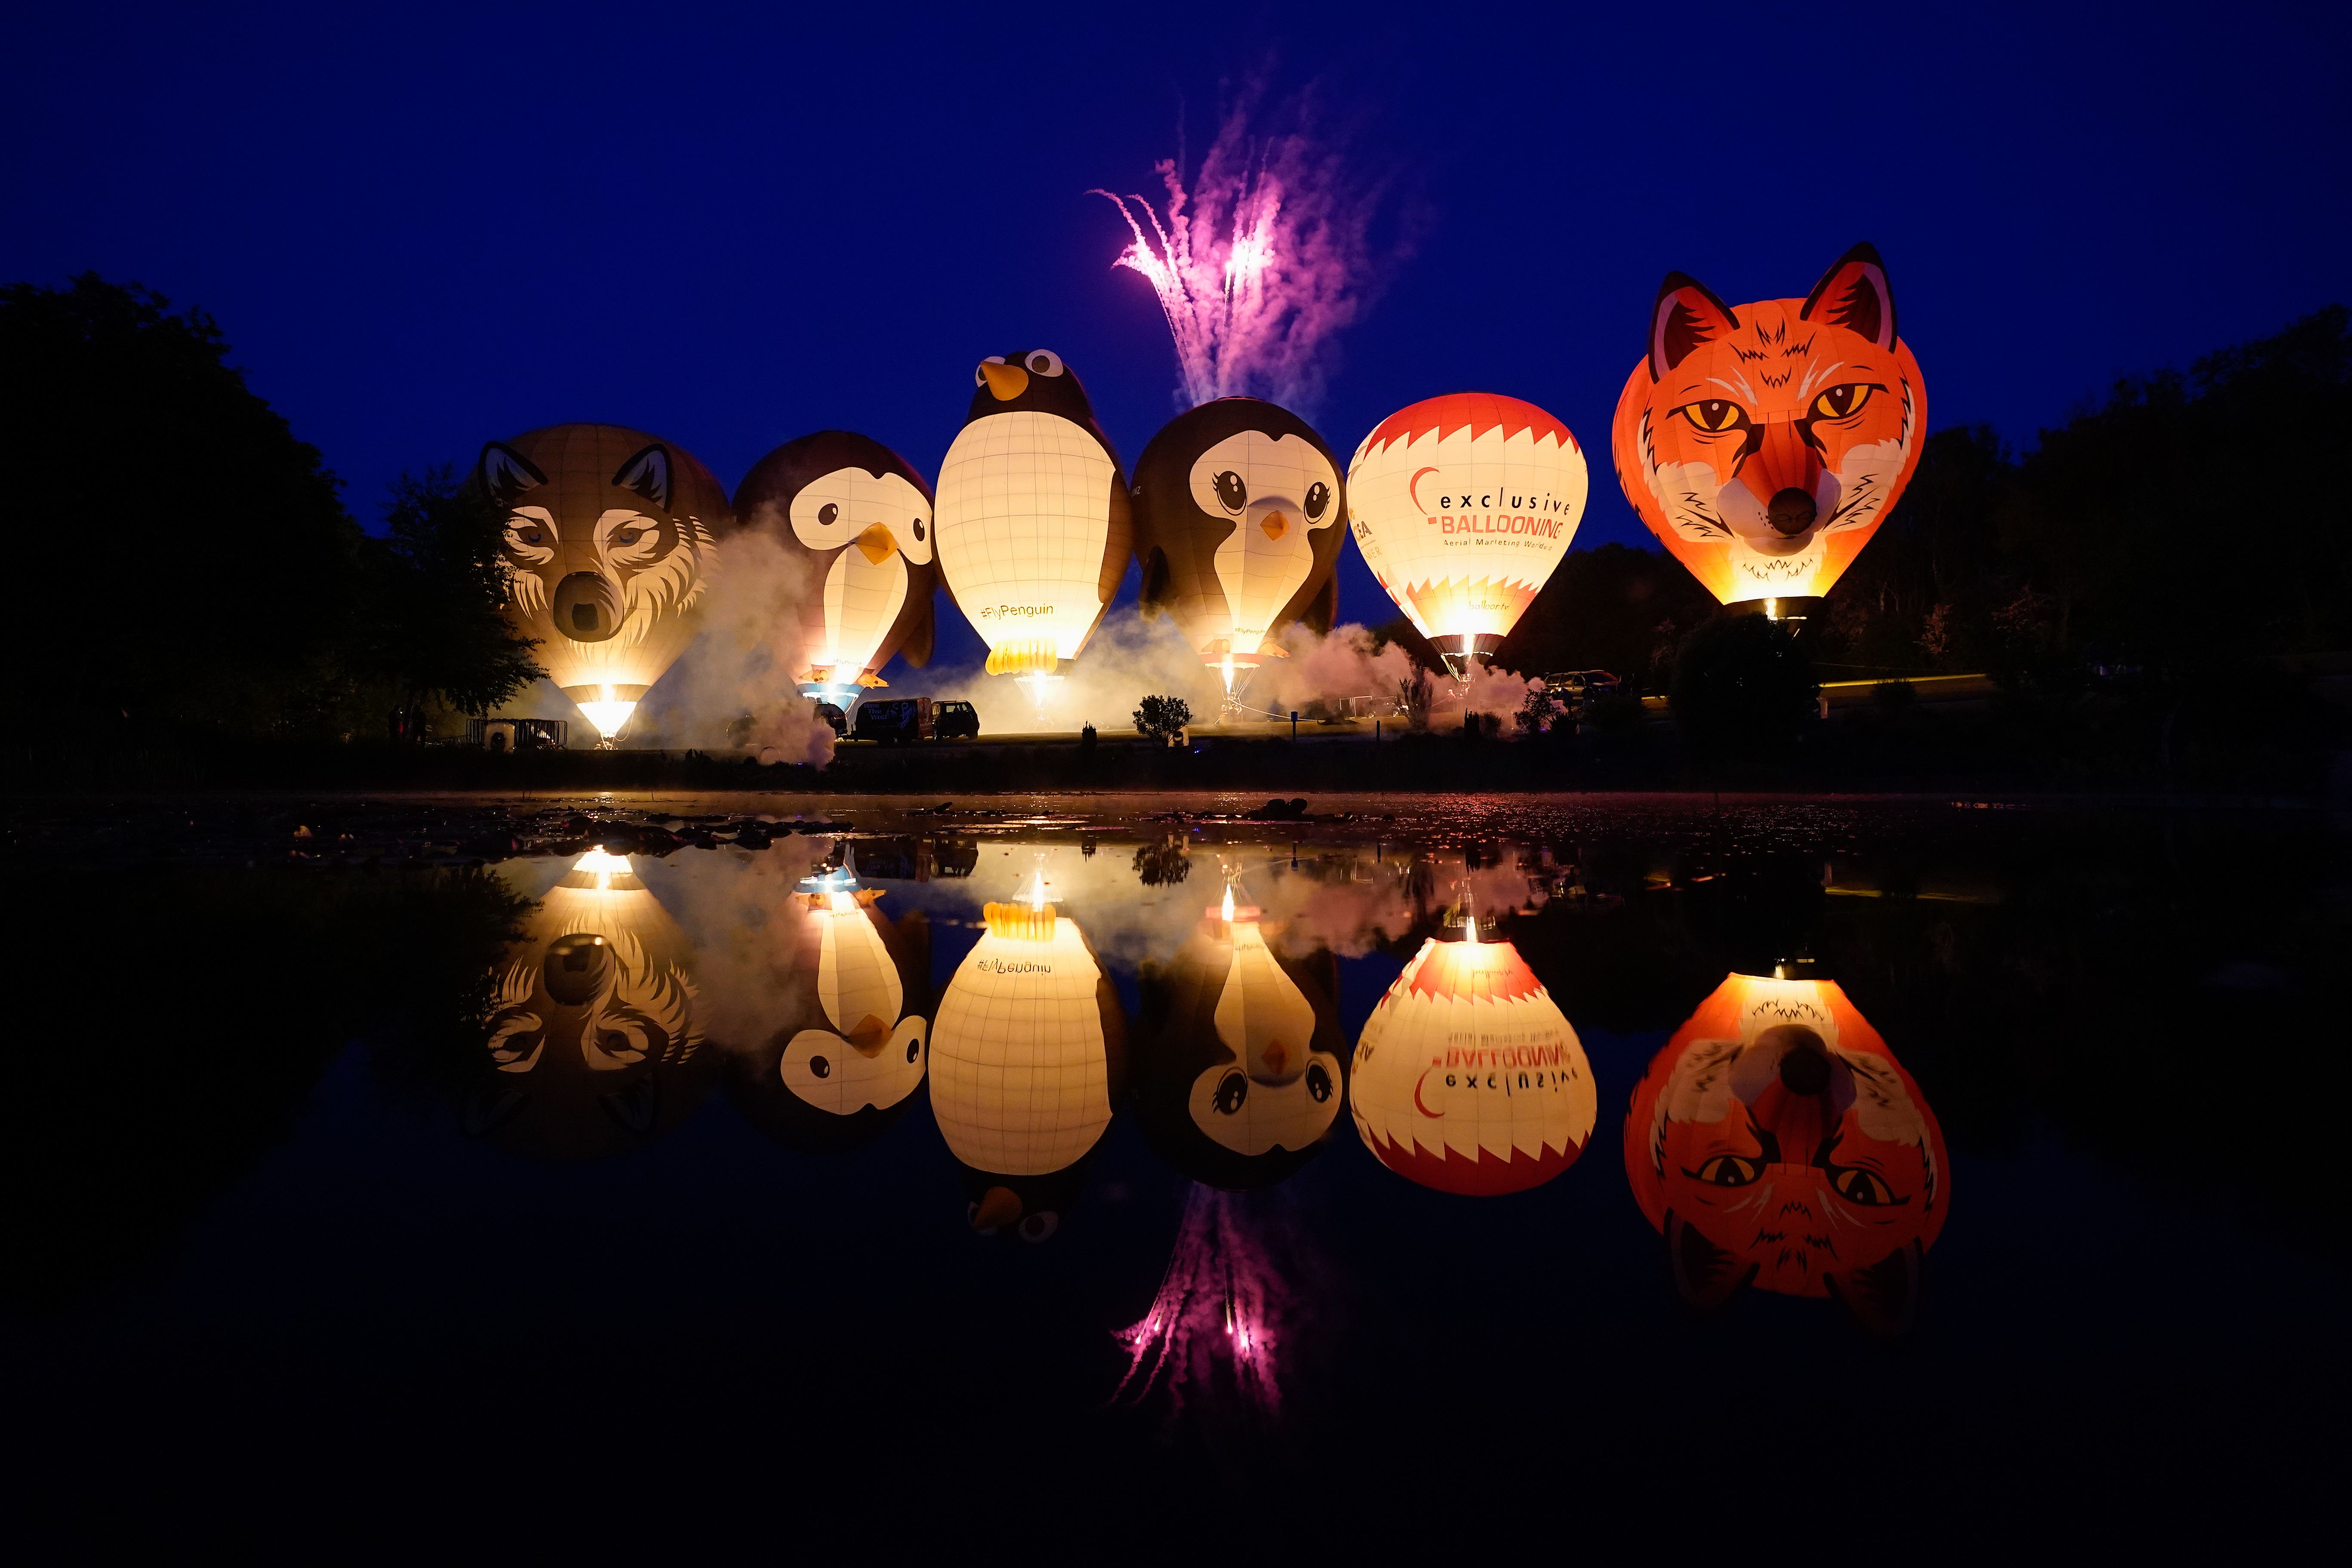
1005,381
877,544
1274,524
999,1207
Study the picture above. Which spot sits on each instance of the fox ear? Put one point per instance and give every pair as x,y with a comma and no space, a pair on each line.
1688,314
1854,294
1706,1276
1883,1296
647,474
507,473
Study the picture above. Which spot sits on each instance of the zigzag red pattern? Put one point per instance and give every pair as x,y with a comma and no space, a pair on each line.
1478,412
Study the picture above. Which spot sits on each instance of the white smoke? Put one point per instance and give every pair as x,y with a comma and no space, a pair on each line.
1328,668
742,664
1127,660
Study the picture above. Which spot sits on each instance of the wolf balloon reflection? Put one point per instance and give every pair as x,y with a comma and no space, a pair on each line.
1777,1142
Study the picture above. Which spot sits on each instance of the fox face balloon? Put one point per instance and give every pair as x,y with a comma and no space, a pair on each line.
1238,512
1764,445
1777,1142
1034,521
609,545
859,515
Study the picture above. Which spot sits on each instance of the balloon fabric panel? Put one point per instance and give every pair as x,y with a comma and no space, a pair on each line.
1019,1068
1025,527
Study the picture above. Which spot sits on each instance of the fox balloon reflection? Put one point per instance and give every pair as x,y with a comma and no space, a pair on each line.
1468,1077
595,1043
610,545
1238,1074
1777,1142
1763,445
1027,1056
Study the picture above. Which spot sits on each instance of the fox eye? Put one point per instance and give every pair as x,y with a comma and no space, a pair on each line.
1714,414
1729,1170
1857,1185
1231,494
1318,496
828,514
1840,401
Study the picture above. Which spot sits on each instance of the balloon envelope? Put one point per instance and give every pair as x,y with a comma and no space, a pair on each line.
1463,505
1763,444
610,546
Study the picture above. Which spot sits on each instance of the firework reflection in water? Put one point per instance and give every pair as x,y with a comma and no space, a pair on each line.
1259,261
1216,1326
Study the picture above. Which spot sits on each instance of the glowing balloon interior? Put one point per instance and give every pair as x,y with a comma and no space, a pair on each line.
1468,1077
1763,445
609,545
1463,506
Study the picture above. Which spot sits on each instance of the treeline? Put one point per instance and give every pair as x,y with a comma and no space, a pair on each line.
2186,529
212,581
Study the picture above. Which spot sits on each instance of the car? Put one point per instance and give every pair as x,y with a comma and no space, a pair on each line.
954,721
893,721
1575,687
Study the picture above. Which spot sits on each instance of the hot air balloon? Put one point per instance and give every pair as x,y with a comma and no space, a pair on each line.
1238,506
596,1034
1468,1077
847,1052
1027,1054
1034,516
1463,505
1764,445
859,517
1777,1142
1239,1074
609,550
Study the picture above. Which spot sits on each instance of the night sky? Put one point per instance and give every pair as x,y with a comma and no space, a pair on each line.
422,230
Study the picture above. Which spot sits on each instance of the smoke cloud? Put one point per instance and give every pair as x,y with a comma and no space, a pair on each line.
742,664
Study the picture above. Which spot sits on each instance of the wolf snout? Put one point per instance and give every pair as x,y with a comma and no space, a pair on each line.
587,606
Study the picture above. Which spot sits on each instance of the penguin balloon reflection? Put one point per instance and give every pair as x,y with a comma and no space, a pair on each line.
1468,1077
859,516
847,1053
1027,1055
1776,1142
610,546
596,1040
1764,445
1238,1073
1238,513
1034,516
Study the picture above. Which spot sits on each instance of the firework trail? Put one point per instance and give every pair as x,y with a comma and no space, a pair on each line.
1258,262
1216,1323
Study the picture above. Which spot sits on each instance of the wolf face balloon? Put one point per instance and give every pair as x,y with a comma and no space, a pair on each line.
609,552
860,516
1238,507
1777,1142
1764,445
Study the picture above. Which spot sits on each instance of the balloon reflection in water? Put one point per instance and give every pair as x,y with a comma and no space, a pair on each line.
1777,1142
1026,1057
1219,1317
596,1034
1468,1077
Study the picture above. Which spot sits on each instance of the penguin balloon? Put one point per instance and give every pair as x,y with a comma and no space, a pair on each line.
860,517
1238,507
1034,516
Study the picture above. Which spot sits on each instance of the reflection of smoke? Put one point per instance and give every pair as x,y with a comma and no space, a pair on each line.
1127,660
1261,260
1222,1309
742,663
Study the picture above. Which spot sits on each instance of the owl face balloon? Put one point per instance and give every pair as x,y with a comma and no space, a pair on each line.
1777,1142
609,550
1238,513
1763,445
859,516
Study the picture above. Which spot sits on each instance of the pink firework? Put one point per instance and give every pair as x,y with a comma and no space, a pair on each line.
1258,264
1213,1326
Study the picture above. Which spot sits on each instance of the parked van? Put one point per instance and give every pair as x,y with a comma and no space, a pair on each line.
897,720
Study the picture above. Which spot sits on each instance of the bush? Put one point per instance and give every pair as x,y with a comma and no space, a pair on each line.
1743,682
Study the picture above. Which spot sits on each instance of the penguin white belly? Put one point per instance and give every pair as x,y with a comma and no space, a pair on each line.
1024,521
862,598
1260,570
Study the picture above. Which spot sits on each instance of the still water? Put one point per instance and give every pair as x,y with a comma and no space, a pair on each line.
1446,1175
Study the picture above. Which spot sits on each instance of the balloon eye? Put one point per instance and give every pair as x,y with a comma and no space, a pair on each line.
979,371
1040,1226
1714,414
1233,1090
1839,401
1728,1171
1318,496
918,531
820,1068
913,1050
1045,362
1232,494
1860,1187
626,537
531,536
828,514
1318,1083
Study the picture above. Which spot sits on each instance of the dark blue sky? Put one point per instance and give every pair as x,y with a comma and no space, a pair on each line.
424,228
